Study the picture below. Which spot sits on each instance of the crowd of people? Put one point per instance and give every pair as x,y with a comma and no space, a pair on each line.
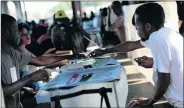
23,44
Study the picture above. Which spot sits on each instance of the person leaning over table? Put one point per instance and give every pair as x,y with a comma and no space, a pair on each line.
167,50
12,61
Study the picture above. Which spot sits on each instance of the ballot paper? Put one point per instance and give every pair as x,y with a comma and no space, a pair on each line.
90,71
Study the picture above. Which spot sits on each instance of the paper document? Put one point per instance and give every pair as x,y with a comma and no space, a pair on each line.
89,71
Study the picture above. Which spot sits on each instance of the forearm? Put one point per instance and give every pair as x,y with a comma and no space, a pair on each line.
57,64
43,60
13,88
125,47
161,87
122,35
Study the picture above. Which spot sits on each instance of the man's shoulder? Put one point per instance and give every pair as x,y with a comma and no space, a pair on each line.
161,34
14,52
16,55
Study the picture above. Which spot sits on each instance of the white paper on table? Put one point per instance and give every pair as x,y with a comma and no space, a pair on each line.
101,73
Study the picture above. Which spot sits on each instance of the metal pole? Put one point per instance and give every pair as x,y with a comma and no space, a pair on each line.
25,10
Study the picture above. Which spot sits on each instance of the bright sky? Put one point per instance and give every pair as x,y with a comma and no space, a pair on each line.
38,6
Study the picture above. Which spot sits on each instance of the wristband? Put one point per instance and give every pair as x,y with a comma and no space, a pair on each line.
154,99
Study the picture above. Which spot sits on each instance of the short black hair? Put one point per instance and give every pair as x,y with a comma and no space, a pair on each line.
23,25
125,3
116,4
6,21
152,13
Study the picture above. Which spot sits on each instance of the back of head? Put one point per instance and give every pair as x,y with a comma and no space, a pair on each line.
125,3
117,8
116,4
69,38
152,13
23,25
6,22
61,18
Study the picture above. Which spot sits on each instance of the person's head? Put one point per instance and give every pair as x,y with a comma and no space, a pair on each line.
9,30
33,25
117,8
84,14
61,18
148,18
25,38
41,21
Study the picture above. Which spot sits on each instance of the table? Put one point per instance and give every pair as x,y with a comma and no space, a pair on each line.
117,98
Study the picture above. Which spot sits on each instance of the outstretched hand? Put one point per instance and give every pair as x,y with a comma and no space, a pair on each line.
97,52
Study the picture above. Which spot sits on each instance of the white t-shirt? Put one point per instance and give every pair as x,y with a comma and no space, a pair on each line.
167,50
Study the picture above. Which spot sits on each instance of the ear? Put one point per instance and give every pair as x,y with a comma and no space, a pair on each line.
5,32
147,27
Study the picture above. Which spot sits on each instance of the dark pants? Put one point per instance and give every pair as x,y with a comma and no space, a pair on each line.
30,102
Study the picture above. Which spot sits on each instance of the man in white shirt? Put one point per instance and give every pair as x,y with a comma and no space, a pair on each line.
118,24
167,50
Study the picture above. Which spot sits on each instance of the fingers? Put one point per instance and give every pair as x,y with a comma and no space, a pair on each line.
44,77
134,102
92,54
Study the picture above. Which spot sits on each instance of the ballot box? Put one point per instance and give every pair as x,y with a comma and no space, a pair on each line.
98,82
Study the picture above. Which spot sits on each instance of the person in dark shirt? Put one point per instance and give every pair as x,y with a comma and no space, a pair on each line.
85,17
180,7
12,61
92,16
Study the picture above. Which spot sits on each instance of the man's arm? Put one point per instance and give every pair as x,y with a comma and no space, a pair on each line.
125,47
160,87
162,62
45,60
11,89
57,64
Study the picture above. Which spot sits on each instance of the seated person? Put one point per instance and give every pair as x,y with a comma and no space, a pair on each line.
25,38
12,61
26,94
66,36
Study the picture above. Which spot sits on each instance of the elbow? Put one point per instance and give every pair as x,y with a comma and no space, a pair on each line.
7,92
40,63
165,83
